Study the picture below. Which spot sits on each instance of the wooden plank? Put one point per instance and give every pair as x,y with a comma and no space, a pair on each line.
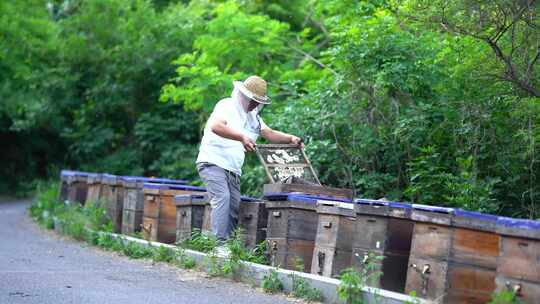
371,232
287,253
475,248
520,259
335,231
151,205
166,231
466,280
133,199
431,241
131,221
308,189
253,217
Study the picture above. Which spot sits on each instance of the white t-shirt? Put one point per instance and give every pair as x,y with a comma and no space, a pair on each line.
227,153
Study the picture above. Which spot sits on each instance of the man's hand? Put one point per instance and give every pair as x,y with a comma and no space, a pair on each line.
248,143
297,141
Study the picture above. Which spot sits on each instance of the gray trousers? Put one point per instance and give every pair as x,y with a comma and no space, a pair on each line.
223,187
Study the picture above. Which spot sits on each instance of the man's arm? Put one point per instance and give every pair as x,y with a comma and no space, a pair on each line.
219,126
278,137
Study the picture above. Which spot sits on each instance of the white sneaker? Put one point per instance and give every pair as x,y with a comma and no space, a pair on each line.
223,251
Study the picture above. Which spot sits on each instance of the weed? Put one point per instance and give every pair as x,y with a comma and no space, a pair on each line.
353,282
505,297
187,262
164,254
136,251
200,242
414,299
271,282
350,288
301,288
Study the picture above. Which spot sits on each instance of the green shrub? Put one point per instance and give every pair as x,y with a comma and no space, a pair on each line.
164,254
136,251
271,282
200,242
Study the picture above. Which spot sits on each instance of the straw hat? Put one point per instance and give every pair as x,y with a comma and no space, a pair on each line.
254,87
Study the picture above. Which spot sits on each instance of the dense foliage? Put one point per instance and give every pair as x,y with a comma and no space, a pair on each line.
433,102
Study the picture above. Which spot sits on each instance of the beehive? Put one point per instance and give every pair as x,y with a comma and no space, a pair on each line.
159,216
382,242
518,266
333,242
292,228
133,205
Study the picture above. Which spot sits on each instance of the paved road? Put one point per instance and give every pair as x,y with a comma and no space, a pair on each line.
37,266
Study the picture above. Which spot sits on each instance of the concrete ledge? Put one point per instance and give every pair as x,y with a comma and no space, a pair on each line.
254,274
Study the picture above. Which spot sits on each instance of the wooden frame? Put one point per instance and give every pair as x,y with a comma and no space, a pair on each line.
268,167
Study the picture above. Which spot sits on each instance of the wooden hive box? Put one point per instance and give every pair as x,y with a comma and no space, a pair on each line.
94,188
383,229
133,204
252,217
190,210
159,216
430,252
454,255
519,262
316,190
112,194
64,186
474,253
333,242
291,231
77,187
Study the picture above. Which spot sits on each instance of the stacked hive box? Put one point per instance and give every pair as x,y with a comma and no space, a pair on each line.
472,260
159,216
430,250
194,212
333,242
454,255
77,186
190,210
518,266
253,218
112,193
64,187
292,227
133,205
94,188
382,242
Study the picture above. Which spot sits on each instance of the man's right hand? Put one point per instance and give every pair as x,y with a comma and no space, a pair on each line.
248,143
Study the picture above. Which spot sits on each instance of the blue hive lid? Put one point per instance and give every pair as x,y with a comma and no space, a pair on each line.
304,198
173,187
371,202
519,223
244,198
278,196
400,205
156,180
435,209
475,215
185,197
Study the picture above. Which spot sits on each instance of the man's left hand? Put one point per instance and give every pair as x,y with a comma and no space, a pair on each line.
297,141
